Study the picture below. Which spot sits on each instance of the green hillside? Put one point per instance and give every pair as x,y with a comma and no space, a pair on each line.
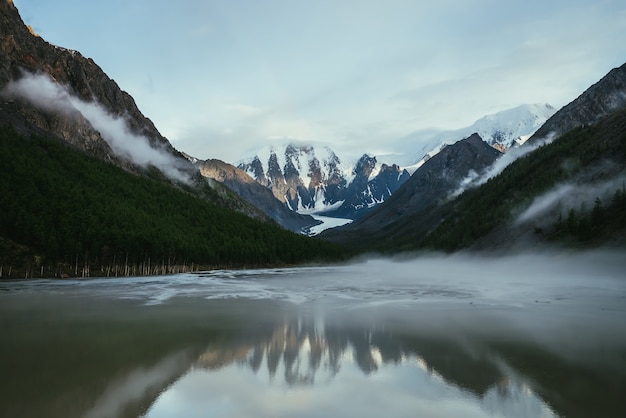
65,213
586,155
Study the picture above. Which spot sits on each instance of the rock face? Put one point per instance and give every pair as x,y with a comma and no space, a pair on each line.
372,185
298,175
429,187
25,55
254,193
601,99
22,52
308,179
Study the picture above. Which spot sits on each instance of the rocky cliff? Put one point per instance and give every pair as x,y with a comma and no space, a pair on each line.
601,99
309,179
22,51
52,92
371,185
255,194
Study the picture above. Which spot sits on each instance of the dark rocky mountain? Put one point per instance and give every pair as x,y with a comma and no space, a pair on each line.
79,82
410,207
575,197
305,178
90,187
570,192
370,186
256,194
22,52
601,99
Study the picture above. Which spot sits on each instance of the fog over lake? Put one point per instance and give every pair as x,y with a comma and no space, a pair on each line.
434,336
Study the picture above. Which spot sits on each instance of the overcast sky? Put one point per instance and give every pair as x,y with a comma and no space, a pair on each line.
220,78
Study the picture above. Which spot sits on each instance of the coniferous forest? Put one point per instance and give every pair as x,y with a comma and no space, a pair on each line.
586,155
67,214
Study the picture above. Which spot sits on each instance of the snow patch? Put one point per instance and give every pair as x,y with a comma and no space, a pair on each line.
320,207
327,223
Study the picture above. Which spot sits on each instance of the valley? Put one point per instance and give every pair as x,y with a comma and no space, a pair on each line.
434,190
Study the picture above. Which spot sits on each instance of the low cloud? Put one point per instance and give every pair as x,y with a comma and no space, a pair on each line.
570,196
474,179
50,96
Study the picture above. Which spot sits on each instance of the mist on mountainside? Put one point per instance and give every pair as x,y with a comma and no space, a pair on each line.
50,96
475,179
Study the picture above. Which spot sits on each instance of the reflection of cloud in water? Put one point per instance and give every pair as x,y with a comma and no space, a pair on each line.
431,336
296,369
136,386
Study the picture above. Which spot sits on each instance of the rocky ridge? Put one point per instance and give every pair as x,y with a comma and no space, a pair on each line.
254,193
25,55
308,179
430,186
22,52
601,99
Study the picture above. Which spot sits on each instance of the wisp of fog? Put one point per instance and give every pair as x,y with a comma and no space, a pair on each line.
570,196
50,96
474,179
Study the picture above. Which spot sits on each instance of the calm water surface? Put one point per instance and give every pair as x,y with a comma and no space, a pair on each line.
527,336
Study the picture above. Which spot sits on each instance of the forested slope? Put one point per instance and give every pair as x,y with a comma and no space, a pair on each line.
590,158
66,213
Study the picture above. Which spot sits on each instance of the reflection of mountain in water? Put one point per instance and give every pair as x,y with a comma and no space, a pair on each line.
305,353
303,350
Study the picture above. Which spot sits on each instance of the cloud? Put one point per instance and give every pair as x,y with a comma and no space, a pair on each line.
399,66
570,196
50,96
228,129
474,179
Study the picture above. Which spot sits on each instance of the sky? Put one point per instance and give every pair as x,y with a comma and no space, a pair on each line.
223,78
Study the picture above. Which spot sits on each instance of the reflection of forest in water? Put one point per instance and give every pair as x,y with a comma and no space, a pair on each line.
78,352
512,377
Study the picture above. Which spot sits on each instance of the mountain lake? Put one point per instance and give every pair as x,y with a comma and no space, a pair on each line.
434,336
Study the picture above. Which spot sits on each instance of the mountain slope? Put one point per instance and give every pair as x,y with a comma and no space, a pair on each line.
428,188
372,184
86,180
315,179
502,130
64,213
512,126
254,193
309,179
601,99
51,91
575,196
570,191
301,176
22,52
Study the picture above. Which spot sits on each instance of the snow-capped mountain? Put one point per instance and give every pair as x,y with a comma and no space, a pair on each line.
502,130
312,179
512,126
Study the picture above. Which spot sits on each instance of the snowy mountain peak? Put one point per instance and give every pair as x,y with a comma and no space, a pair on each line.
512,126
501,130
311,179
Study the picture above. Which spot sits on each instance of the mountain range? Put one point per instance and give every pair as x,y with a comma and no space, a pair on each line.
90,187
574,162
310,179
502,130
88,180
